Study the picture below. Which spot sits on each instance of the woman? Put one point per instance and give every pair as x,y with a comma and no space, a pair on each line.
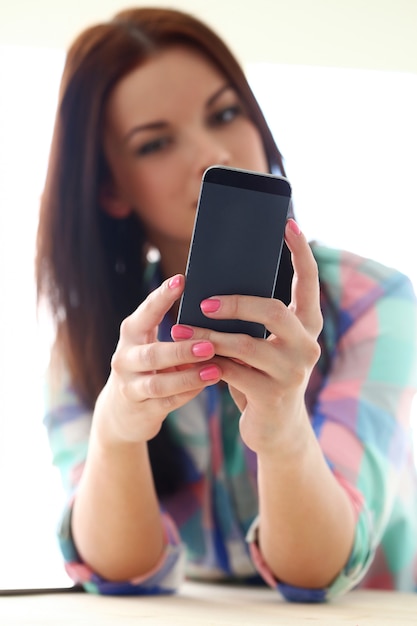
288,457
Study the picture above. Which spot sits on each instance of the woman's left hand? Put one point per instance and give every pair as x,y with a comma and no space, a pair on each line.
268,377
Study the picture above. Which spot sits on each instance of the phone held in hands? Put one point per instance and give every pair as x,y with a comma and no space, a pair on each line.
236,244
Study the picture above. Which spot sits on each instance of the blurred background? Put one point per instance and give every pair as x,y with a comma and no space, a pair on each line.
337,80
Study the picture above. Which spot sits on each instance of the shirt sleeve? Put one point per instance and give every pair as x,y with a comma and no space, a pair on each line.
68,425
361,410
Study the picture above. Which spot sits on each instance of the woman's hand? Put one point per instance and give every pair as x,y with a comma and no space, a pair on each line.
303,510
149,378
268,378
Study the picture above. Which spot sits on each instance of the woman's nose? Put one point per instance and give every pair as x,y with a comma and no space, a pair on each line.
208,150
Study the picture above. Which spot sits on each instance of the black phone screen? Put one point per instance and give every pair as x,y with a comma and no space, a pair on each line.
236,244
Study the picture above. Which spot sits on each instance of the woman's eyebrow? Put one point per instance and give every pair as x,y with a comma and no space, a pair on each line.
218,93
157,125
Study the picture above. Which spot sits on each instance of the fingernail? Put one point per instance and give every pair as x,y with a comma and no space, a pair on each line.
181,332
211,372
203,348
210,306
292,224
174,282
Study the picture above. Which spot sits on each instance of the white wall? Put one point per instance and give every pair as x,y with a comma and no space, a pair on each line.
379,34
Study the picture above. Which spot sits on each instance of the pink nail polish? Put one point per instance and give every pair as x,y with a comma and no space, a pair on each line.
181,332
292,224
203,348
174,282
211,372
211,305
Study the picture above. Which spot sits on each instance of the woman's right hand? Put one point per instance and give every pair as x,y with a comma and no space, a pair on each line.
150,378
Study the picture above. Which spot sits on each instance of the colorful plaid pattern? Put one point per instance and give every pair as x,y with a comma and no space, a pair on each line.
359,400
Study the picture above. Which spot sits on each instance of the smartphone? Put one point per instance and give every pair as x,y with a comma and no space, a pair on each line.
236,243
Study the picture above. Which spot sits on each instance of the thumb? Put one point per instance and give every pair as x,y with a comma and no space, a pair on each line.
305,292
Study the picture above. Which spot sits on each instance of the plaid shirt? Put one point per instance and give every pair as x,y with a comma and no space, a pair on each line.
358,398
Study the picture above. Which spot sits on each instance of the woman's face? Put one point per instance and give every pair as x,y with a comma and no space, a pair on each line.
165,123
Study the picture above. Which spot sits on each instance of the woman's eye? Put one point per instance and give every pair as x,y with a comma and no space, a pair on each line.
153,146
227,114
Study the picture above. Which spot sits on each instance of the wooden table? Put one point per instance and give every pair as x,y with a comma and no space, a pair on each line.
200,604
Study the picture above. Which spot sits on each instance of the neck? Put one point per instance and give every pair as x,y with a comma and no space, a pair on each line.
173,259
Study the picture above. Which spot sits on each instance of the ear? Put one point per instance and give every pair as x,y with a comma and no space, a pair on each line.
112,203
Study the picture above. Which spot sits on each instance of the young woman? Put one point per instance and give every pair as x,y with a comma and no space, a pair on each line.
190,451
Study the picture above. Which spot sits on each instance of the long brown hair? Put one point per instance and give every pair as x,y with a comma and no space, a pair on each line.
89,267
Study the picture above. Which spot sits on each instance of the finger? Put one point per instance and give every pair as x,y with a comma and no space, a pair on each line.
250,382
173,383
152,310
250,351
305,293
255,387
272,313
155,408
179,332
159,356
290,349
